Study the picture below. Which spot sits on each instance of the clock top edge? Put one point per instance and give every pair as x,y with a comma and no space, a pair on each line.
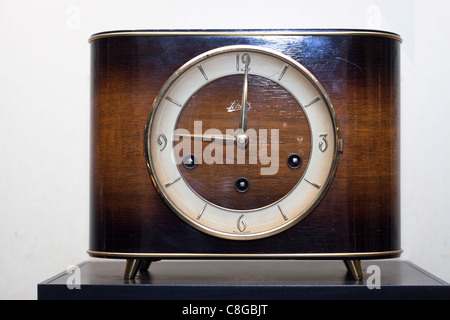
246,32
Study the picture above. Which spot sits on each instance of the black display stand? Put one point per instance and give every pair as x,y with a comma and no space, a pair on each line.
244,280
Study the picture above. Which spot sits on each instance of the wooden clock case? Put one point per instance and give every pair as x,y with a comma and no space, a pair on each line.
359,217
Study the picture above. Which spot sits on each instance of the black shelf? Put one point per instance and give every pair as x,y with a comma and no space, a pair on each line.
248,280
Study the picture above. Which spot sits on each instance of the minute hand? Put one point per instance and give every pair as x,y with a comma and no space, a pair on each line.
243,118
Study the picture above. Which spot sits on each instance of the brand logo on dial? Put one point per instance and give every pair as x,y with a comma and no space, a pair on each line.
236,106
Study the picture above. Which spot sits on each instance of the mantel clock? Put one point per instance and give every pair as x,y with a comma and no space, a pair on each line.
245,144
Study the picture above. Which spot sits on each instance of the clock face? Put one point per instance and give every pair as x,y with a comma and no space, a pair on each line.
242,142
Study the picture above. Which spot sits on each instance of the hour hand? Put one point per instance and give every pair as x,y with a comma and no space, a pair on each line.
224,137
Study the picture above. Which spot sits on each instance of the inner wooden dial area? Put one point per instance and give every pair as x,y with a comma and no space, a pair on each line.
274,159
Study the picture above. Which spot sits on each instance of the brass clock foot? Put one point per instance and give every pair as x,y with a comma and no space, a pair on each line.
134,265
354,267
131,268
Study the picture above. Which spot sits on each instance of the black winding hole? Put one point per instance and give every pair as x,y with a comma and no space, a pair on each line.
190,162
242,184
294,161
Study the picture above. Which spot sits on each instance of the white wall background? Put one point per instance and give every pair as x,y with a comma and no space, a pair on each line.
44,115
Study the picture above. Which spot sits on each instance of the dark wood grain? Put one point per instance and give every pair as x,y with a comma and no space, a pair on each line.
361,210
271,107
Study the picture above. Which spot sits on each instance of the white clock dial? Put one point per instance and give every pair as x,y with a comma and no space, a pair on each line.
242,173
